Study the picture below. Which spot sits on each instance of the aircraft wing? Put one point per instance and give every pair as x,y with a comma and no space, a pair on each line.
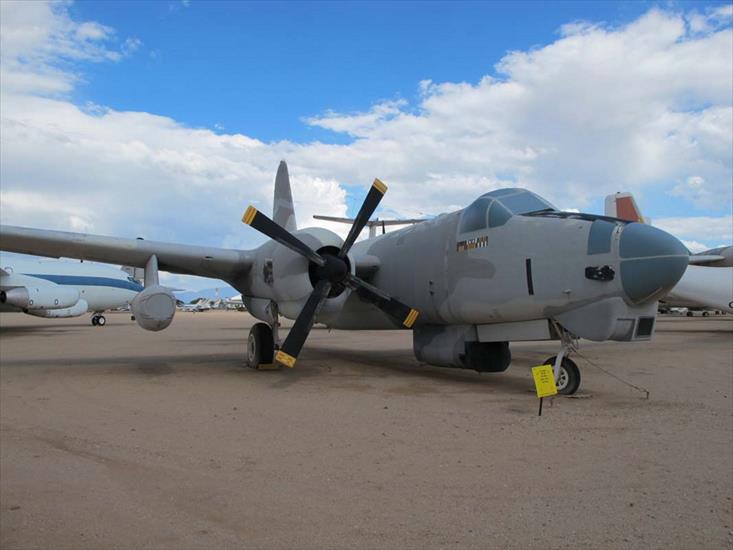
702,259
219,263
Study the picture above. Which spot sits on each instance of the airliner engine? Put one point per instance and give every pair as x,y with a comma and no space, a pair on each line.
154,308
44,297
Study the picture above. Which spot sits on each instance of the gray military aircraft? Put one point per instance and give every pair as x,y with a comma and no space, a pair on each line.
509,267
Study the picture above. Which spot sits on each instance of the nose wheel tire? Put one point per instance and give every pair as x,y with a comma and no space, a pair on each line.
98,320
260,345
568,380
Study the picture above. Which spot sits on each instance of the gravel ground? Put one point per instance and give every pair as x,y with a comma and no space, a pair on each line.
118,438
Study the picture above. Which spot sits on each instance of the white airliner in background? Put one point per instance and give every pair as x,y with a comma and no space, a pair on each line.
56,288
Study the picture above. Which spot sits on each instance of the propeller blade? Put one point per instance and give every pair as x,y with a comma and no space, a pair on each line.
396,309
265,225
288,353
370,204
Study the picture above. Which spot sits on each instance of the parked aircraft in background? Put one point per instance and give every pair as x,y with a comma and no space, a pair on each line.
54,288
235,302
703,288
508,267
202,304
707,282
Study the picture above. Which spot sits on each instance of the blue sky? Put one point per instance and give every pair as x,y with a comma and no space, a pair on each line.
258,68
165,119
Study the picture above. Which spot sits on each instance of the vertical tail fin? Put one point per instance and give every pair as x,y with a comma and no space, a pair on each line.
283,212
623,206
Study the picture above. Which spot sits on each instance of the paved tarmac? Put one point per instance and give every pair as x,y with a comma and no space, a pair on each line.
119,438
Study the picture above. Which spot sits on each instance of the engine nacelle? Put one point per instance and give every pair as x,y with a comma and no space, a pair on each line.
43,297
79,308
154,308
287,278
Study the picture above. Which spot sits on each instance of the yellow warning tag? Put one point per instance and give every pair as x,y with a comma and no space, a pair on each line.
544,380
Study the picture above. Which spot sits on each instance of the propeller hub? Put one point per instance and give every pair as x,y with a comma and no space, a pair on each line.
334,270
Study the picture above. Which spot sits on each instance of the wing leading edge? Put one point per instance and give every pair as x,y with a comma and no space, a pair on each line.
218,263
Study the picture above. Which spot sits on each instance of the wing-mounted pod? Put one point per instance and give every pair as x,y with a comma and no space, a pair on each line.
155,306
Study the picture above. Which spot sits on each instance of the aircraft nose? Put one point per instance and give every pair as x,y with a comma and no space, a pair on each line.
652,262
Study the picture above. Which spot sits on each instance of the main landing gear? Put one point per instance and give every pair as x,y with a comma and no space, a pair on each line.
260,346
98,320
264,340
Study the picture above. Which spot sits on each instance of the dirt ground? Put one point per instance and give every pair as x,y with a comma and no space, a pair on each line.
119,438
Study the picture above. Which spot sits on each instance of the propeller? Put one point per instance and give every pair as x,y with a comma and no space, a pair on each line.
330,270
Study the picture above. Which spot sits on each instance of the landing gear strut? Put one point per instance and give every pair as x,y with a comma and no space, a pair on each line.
567,374
98,320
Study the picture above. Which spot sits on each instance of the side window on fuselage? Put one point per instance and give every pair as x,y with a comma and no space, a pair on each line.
498,214
474,216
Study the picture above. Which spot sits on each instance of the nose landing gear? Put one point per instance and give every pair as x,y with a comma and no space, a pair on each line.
568,375
98,320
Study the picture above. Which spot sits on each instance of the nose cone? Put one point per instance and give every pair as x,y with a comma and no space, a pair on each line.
652,262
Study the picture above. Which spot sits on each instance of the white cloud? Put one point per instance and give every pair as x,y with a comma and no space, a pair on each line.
359,124
646,106
723,13
705,228
35,36
695,247
695,190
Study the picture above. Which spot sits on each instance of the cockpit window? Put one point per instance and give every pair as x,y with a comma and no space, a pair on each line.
474,216
503,192
520,201
498,214
494,209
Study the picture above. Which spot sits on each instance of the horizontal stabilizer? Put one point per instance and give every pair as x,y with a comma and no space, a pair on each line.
371,224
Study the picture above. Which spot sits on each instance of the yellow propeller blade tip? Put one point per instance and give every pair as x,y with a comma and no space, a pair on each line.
380,186
285,359
249,215
411,318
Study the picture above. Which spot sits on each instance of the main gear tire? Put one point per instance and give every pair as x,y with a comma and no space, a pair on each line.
260,345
